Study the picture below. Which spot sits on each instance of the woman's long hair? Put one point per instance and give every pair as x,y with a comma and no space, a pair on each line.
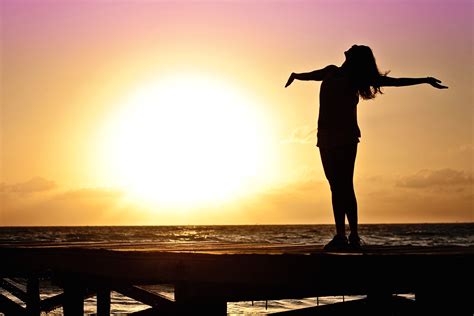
363,71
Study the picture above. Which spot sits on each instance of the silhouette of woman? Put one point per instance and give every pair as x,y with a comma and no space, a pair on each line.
338,131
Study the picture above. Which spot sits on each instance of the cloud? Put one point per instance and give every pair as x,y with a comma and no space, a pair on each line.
86,206
302,135
464,150
441,179
36,184
89,194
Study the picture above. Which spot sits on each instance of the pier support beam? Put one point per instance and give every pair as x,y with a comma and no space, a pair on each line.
201,308
103,302
73,299
190,300
379,302
444,301
379,298
33,296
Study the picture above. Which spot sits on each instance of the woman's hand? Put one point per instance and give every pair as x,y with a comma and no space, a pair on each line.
290,80
435,83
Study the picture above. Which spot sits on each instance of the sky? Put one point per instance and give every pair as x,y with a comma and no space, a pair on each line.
143,112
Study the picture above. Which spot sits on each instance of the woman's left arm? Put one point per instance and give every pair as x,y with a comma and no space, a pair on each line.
385,81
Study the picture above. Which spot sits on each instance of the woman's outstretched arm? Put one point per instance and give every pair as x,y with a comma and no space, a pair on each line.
385,81
316,75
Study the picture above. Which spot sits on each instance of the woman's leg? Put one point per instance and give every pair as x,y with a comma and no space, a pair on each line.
338,164
328,158
349,193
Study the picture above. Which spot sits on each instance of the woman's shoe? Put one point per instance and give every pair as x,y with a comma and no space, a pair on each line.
355,243
337,243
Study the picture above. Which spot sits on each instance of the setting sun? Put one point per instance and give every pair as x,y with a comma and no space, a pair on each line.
187,141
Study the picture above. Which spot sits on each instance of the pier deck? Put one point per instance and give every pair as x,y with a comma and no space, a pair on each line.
206,277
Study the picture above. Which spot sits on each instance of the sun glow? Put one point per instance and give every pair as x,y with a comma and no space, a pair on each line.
188,141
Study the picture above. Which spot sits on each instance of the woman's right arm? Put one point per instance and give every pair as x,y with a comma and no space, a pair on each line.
316,75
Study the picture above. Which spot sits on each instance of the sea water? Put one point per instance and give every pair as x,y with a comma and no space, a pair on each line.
459,234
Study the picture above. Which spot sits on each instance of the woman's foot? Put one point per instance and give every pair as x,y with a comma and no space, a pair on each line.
339,242
355,243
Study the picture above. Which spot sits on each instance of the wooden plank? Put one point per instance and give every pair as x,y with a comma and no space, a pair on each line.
162,267
9,307
147,297
447,301
355,307
393,306
53,302
235,248
238,292
13,289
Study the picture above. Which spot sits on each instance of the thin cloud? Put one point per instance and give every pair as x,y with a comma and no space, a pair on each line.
87,206
36,184
89,194
415,198
465,150
443,178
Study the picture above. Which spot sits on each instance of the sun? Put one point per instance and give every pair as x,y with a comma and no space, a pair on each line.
188,141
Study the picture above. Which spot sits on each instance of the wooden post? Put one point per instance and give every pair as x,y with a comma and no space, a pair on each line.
379,298
379,302
73,298
33,296
103,302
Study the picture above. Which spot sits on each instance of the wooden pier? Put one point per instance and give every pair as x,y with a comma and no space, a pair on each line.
206,277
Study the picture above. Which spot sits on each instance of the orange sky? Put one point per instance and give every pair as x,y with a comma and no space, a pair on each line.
69,69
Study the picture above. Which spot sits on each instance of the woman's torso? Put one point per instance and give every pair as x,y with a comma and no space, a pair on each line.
338,99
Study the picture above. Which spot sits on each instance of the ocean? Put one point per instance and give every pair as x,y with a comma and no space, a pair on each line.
456,234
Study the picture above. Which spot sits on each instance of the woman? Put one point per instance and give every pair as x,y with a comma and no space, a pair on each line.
338,131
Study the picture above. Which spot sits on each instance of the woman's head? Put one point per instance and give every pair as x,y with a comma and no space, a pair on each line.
363,70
